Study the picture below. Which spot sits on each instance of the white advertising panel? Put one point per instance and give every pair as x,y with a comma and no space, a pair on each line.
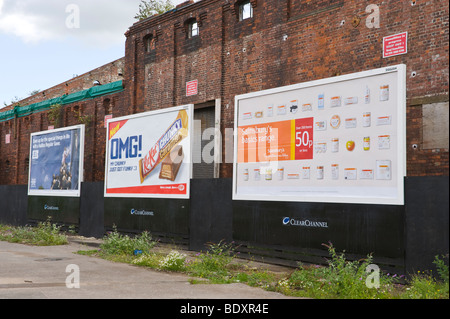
339,140
56,162
149,154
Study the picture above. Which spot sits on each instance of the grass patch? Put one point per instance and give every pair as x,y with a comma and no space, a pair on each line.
44,234
118,244
340,279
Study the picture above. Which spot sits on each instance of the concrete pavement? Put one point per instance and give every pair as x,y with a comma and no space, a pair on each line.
28,272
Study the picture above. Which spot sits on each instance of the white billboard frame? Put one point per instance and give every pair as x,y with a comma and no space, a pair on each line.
399,71
59,193
189,108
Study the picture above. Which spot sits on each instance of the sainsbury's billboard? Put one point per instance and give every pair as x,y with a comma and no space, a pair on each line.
340,139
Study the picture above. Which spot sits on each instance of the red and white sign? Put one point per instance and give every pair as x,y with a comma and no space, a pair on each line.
192,88
7,138
395,45
107,117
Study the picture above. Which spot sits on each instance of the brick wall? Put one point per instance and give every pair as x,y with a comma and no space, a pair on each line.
105,74
14,157
286,42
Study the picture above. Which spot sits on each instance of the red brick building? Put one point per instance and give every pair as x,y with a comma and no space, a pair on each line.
281,43
232,47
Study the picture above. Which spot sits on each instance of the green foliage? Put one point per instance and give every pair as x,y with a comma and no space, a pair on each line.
442,268
45,234
342,279
54,114
174,261
118,244
150,260
423,286
147,8
213,264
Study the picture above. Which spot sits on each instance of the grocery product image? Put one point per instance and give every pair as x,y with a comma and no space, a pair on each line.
384,92
350,173
246,175
293,107
170,139
335,171
367,119
268,174
321,103
350,145
247,116
306,172
306,107
366,173
269,110
384,170
367,95
335,145
320,172
384,120
335,101
366,143
351,100
350,122
335,121
259,114
320,147
257,174
281,109
384,142
320,125
171,164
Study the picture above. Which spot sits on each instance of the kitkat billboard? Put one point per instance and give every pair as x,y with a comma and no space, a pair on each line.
149,154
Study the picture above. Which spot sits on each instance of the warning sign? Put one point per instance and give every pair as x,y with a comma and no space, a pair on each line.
192,88
395,45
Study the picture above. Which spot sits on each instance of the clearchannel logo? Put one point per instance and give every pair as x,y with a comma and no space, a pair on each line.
304,223
48,207
141,212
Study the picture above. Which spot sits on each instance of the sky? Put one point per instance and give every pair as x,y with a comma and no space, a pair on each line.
47,42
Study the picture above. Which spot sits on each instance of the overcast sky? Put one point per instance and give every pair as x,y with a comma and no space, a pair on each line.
46,42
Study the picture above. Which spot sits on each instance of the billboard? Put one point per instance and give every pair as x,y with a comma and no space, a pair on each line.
148,155
340,139
56,162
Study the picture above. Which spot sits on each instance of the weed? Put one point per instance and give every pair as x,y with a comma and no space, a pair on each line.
423,286
442,268
213,264
174,261
117,244
151,260
342,279
44,234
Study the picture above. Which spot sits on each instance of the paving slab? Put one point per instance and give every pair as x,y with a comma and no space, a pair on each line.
29,272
